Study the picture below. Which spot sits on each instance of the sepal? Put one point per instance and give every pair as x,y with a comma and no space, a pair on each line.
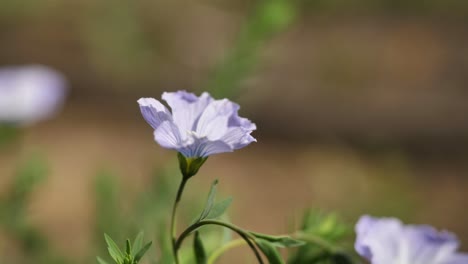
190,166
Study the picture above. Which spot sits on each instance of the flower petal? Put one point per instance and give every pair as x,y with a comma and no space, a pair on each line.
213,122
388,241
198,126
378,239
215,147
168,135
202,147
245,123
426,245
186,108
459,259
153,111
237,137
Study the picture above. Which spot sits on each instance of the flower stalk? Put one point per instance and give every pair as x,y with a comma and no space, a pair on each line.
247,237
173,217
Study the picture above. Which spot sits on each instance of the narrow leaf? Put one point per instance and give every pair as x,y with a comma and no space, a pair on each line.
101,261
142,252
209,202
199,249
279,241
138,243
219,208
270,251
114,250
128,247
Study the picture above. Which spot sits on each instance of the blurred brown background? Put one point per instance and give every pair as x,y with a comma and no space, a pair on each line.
360,105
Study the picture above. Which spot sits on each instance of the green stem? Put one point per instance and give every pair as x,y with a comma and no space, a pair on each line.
248,238
299,235
173,218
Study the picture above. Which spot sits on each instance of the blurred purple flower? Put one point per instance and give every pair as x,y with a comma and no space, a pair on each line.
197,126
388,241
29,94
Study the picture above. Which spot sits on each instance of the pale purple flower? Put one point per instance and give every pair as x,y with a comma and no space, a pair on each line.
388,241
29,94
197,126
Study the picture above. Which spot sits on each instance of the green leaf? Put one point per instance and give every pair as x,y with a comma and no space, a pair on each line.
326,226
199,249
280,241
128,247
270,251
101,261
219,208
209,201
114,250
138,243
142,252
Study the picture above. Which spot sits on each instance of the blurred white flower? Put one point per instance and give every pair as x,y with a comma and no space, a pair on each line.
29,94
389,241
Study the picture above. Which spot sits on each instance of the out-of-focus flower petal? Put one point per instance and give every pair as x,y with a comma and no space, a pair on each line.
388,241
427,244
459,259
30,94
154,112
378,240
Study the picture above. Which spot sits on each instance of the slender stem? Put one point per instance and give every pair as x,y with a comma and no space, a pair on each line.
248,238
230,245
240,242
173,218
252,246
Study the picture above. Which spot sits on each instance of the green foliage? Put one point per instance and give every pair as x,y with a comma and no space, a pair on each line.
325,236
270,251
131,255
108,211
279,241
326,226
28,176
8,134
214,210
141,252
209,201
219,208
270,18
14,206
131,55
13,214
199,249
119,213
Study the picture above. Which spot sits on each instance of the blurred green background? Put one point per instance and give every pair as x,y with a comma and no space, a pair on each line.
360,106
